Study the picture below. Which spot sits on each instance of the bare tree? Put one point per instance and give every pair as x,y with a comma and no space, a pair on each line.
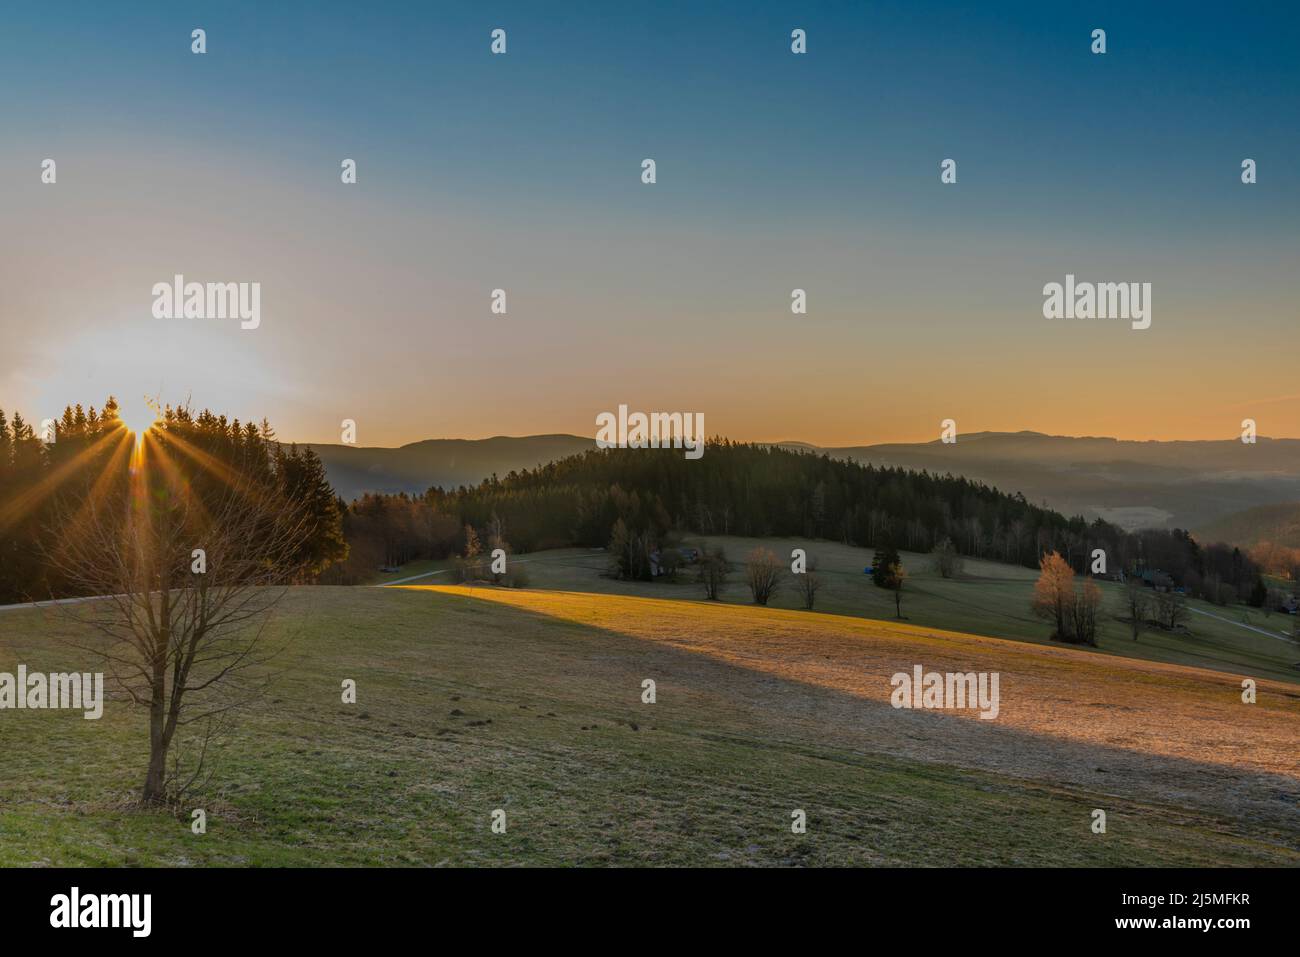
947,560
762,574
469,565
713,572
1053,594
629,553
808,584
887,572
1072,611
1015,539
188,587
1137,603
1083,613
1171,609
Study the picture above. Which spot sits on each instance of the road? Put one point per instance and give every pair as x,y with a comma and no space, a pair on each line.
1197,611
441,571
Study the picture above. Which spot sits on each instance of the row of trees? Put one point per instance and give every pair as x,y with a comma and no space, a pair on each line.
1073,609
765,574
384,531
1171,558
1280,561
89,462
636,502
763,491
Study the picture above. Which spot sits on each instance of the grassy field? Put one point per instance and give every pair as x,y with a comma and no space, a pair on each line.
474,699
990,598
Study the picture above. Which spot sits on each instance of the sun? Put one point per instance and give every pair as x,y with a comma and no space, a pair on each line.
139,419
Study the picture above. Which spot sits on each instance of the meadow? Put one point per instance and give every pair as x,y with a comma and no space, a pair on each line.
474,699
988,598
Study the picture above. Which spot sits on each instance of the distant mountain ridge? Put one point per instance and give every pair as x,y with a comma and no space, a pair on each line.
413,468
1185,484
1188,484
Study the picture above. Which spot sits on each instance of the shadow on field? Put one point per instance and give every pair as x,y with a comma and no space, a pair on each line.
472,700
816,682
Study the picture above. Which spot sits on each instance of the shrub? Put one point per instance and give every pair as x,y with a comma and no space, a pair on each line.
762,574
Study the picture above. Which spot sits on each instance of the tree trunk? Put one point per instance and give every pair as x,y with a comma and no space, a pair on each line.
155,777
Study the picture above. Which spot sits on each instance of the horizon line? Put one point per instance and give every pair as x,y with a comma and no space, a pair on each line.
814,445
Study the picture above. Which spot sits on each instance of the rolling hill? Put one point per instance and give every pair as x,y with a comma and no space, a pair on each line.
1279,524
413,468
988,598
1132,484
477,699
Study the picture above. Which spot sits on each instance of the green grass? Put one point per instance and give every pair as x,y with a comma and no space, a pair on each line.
990,598
467,705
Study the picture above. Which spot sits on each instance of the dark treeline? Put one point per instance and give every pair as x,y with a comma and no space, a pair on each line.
637,499
649,496
391,530
757,491
45,486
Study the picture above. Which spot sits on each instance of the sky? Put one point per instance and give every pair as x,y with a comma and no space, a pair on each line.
775,171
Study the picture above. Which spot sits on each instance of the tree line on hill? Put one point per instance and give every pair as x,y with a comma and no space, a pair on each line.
46,485
632,501
1279,561
635,502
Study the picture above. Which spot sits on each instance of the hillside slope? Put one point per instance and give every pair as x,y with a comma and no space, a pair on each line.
471,700
355,470
1279,524
1139,731
992,599
1133,484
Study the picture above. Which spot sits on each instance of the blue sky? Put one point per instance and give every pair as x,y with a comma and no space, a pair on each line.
775,171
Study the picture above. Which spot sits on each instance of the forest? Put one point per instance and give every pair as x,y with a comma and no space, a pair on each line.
745,489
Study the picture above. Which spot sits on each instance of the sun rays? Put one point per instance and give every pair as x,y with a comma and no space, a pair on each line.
134,444
26,501
139,422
